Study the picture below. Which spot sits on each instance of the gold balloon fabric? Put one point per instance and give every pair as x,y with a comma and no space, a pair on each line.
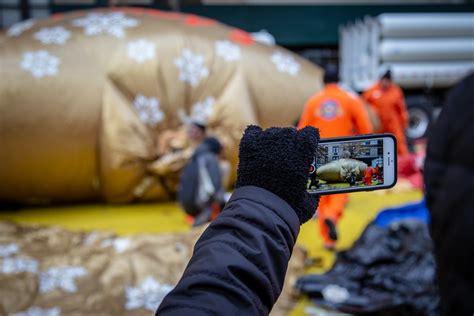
53,271
93,103
338,170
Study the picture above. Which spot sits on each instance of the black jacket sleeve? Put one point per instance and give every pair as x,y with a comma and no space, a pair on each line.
240,261
449,183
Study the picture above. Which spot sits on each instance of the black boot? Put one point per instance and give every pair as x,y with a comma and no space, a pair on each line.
332,229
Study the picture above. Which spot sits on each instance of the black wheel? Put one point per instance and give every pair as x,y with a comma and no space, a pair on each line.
420,112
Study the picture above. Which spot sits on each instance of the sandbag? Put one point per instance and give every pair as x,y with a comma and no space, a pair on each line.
89,100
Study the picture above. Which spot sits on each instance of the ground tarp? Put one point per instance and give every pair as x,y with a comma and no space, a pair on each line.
389,268
47,270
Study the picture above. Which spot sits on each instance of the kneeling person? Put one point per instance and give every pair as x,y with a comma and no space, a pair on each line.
200,190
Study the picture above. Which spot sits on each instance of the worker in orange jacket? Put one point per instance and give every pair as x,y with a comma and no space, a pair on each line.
335,112
368,174
387,100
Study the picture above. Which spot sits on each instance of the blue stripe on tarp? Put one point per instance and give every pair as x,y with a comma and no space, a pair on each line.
413,211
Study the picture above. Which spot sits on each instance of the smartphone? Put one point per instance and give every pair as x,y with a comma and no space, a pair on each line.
351,164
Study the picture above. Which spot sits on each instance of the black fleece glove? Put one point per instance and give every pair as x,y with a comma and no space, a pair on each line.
278,160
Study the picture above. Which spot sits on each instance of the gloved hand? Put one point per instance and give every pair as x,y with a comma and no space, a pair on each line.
278,160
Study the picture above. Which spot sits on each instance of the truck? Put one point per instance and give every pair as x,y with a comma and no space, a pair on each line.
427,53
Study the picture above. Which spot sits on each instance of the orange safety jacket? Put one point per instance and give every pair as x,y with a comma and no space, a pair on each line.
336,112
389,104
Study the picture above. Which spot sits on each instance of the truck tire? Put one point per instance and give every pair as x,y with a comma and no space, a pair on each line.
420,111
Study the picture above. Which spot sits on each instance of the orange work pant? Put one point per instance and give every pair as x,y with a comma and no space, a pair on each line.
330,207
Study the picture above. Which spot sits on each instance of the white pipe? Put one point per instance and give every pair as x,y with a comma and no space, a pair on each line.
427,49
429,74
426,24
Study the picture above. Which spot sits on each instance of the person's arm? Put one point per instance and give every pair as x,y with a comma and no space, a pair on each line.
366,96
239,263
211,163
361,117
307,115
401,108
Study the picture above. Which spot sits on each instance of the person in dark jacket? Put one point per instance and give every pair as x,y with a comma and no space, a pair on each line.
240,261
449,172
200,189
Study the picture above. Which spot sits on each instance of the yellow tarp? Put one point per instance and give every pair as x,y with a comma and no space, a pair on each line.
168,217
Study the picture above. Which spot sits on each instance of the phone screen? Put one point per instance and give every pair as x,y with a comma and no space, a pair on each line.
354,165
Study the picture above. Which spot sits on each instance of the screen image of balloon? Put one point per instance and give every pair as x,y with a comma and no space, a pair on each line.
347,165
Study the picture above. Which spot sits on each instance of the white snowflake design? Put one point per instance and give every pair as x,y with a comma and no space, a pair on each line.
90,238
120,244
18,28
8,250
53,35
113,23
285,63
149,110
40,63
148,295
201,111
38,311
141,50
264,37
227,50
18,265
335,294
191,67
61,277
